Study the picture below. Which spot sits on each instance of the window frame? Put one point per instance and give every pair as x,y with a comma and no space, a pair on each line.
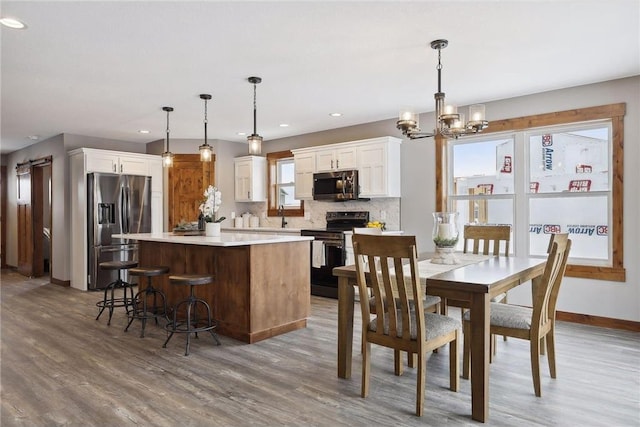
272,185
613,113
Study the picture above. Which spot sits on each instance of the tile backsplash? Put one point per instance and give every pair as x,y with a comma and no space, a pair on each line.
386,210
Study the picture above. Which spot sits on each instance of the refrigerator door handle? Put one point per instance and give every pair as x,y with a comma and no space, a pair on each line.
127,209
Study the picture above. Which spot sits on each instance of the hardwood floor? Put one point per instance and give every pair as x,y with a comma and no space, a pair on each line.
60,367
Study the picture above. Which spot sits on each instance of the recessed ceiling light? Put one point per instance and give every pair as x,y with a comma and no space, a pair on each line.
143,131
13,23
34,137
284,125
335,114
241,133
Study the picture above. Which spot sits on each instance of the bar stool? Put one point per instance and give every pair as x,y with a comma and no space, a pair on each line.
190,323
111,301
141,308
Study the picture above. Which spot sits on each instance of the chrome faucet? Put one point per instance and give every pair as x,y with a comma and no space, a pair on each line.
281,213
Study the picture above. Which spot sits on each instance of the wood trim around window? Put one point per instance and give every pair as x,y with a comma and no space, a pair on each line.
272,207
613,112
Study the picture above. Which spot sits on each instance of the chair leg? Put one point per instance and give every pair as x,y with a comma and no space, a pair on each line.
535,365
411,360
422,374
366,368
551,351
454,362
397,362
466,344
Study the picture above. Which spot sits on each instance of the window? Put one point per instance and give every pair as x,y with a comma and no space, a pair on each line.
559,176
282,185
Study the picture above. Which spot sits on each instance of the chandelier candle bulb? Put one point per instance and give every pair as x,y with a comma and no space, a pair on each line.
458,123
476,113
450,109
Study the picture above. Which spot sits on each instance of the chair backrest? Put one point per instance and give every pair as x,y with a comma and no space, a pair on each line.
546,294
487,234
388,254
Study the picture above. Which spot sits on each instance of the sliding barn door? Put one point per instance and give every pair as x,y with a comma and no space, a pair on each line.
188,178
25,222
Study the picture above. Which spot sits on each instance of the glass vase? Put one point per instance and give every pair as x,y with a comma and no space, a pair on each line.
445,235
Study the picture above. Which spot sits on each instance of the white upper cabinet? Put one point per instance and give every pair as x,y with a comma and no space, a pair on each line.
332,159
379,168
114,162
305,166
377,161
250,179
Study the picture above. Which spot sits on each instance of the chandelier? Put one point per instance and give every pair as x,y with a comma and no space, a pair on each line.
254,140
449,123
167,156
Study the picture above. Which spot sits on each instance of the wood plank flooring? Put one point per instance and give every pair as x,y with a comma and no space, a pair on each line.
60,367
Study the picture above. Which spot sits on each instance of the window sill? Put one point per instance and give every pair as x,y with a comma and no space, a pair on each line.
614,274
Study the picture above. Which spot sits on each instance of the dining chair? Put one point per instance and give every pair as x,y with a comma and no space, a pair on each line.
535,323
485,239
432,303
400,323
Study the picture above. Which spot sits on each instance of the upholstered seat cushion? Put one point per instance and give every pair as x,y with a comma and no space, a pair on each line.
435,324
508,316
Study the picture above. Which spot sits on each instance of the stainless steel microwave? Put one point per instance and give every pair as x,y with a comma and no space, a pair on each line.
336,186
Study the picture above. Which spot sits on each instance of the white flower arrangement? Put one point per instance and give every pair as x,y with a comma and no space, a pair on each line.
211,204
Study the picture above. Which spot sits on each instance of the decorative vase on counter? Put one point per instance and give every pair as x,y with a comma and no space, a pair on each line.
212,229
445,235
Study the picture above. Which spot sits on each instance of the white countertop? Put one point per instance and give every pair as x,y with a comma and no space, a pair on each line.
226,238
263,230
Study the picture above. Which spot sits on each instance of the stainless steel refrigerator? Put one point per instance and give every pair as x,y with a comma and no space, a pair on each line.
117,204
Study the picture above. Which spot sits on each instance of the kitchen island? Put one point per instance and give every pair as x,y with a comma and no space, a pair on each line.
261,282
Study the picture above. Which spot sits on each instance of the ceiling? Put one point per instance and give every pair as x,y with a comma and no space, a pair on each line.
105,69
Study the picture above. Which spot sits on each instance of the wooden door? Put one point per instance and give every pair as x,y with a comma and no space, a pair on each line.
25,225
188,178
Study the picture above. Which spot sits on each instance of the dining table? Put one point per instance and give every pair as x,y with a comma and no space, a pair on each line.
475,280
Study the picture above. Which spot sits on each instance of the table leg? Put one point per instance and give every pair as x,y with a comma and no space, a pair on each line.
345,326
480,312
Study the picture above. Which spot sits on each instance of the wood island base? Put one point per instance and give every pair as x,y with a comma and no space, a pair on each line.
259,291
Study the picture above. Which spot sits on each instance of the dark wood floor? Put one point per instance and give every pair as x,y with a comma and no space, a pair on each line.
60,367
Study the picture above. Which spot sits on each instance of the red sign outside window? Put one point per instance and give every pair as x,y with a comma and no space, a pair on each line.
579,185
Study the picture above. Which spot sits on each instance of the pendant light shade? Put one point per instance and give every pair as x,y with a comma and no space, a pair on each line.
206,152
167,156
254,140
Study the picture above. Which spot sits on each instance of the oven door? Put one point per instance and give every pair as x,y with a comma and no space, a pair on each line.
323,282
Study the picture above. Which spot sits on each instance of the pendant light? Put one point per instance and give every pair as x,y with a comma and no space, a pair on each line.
167,156
254,140
206,152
